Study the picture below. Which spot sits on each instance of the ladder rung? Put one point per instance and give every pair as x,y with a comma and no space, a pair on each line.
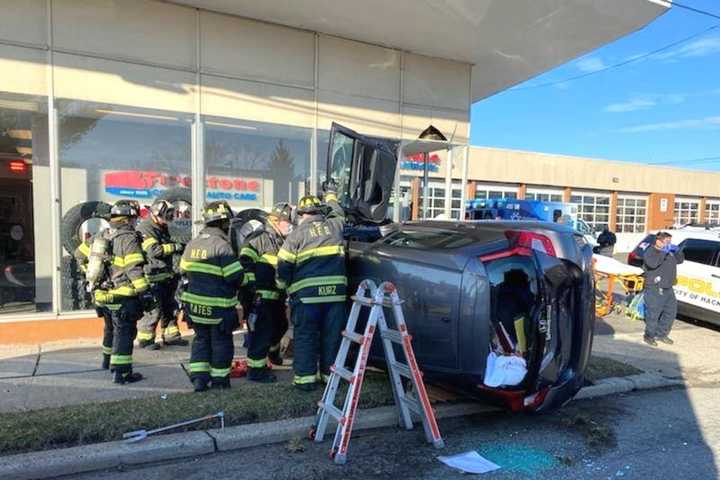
354,337
413,405
332,410
402,369
343,373
392,335
369,302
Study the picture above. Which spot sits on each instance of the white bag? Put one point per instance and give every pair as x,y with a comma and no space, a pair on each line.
505,370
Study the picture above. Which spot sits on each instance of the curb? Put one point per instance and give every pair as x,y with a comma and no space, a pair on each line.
102,456
613,385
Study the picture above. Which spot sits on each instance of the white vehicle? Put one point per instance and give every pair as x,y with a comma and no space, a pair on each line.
698,286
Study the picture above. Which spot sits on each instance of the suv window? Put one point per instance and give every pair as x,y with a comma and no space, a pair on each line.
700,251
428,239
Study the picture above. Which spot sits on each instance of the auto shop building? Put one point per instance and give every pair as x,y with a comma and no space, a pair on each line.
109,99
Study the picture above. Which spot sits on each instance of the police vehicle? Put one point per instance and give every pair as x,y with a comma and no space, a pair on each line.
698,281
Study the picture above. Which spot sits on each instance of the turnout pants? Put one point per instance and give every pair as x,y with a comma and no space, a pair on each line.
270,326
316,336
165,313
660,311
124,315
212,348
107,342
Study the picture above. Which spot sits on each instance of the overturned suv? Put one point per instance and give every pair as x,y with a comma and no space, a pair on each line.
516,289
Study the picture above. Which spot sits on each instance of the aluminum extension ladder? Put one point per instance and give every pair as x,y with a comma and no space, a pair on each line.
384,296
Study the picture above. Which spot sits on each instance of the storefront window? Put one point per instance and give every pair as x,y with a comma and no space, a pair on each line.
108,153
25,206
712,212
631,214
687,211
255,165
493,192
544,195
593,208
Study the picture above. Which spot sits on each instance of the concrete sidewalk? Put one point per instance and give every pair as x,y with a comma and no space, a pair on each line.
692,359
53,375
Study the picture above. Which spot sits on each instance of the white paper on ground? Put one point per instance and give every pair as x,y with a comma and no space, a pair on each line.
469,462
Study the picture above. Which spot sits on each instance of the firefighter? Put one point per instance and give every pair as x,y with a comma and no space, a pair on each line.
82,257
267,320
311,266
159,251
212,277
124,290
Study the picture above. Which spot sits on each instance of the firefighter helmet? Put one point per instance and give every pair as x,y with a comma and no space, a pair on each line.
282,211
308,205
163,209
217,211
125,208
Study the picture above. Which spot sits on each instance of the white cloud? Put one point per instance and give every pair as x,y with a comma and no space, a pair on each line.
630,105
698,123
697,48
647,101
590,64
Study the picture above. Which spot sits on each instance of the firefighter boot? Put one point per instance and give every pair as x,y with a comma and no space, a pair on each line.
176,342
149,345
274,356
126,377
105,362
200,384
261,375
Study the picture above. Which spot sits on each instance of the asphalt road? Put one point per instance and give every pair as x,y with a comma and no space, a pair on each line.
652,434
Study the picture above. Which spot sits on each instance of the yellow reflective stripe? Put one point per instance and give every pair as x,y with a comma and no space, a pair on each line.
168,248
303,379
248,278
205,321
317,282
231,269
172,330
106,350
268,294
330,197
199,367
249,252
123,291
128,260
328,299
159,277
140,283
281,284
286,256
268,258
256,363
320,252
146,335
208,301
121,359
148,242
84,248
219,372
198,267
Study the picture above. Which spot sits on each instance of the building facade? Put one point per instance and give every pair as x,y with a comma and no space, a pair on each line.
234,99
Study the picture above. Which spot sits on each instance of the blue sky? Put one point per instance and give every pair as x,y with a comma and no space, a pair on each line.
661,109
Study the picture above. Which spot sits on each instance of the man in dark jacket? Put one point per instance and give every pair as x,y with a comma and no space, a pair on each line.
213,276
606,242
268,321
311,265
660,264
121,290
159,250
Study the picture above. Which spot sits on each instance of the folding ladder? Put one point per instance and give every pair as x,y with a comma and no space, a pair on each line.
376,298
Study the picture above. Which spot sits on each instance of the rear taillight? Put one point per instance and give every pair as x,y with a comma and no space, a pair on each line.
531,240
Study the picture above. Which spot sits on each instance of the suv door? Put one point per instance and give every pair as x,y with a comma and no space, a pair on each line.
699,275
364,169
